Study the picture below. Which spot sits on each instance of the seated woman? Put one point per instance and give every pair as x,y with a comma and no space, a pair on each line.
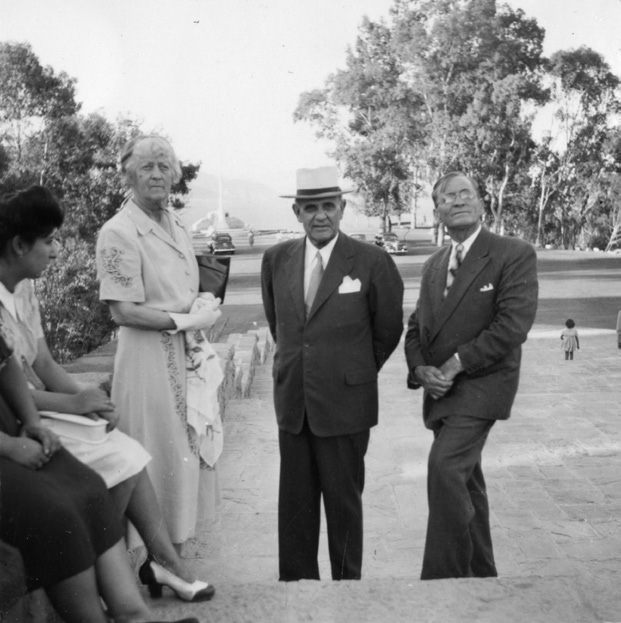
28,224
58,514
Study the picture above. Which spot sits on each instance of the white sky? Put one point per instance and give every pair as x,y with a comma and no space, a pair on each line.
221,78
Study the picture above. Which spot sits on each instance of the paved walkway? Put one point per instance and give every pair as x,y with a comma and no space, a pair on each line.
553,472
554,481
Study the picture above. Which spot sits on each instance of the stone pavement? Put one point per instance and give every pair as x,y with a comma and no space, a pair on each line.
553,471
554,482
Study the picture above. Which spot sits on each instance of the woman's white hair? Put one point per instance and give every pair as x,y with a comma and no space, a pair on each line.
156,144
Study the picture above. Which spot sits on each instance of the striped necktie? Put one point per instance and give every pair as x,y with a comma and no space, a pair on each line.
454,265
313,285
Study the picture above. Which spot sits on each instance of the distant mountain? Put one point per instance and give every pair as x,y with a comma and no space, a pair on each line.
255,204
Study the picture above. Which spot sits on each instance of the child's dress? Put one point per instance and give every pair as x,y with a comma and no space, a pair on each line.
569,343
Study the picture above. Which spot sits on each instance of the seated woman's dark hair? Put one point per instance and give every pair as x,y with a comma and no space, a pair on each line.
32,213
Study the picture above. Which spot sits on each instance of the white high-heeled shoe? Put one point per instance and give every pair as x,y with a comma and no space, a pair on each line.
155,577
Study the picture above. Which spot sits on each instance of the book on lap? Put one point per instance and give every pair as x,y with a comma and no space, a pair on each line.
75,426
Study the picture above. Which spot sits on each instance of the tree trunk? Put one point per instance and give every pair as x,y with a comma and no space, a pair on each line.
543,200
615,236
439,229
501,197
384,215
44,163
494,210
563,230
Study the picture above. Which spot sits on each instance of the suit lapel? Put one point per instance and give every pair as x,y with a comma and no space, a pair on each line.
340,264
475,261
437,281
294,269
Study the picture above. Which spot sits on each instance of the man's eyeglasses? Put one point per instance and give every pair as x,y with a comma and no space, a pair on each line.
449,198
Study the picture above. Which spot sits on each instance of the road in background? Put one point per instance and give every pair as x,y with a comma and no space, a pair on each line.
582,285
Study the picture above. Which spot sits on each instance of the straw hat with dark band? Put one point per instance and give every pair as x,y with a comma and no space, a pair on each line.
317,184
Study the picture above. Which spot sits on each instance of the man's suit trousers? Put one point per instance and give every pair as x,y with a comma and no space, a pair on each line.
459,542
312,467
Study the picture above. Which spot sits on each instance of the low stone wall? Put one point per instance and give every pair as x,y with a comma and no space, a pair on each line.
226,391
239,354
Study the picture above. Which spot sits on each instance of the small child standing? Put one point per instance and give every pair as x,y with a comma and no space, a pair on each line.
570,339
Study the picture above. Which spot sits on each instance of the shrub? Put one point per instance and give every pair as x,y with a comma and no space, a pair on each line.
74,321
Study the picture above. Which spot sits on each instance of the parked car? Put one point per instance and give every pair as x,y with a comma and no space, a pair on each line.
221,244
393,245
360,237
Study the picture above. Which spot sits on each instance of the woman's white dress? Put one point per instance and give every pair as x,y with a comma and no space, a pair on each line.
139,262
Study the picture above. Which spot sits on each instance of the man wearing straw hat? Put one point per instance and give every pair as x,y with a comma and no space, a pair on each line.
334,307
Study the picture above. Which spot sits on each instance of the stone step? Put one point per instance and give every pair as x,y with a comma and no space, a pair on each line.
404,599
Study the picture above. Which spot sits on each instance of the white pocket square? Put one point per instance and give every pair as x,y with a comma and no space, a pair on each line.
487,288
349,285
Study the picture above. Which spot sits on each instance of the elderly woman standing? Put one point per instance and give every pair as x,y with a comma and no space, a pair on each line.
149,278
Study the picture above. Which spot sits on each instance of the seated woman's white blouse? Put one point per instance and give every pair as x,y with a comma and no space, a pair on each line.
21,320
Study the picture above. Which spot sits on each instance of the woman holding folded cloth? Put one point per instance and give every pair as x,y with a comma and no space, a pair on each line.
57,513
29,221
166,374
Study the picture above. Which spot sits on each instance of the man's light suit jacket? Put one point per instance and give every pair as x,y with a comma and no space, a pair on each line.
485,318
327,365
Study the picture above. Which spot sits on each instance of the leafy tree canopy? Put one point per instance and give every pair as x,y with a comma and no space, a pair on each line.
46,140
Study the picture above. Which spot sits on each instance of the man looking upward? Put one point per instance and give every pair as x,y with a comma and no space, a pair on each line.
478,299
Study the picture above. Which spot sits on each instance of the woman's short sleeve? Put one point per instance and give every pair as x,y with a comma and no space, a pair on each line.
119,266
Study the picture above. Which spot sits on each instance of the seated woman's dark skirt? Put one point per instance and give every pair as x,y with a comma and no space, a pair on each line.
59,517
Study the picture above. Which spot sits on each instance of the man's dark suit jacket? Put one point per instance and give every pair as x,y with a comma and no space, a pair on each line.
485,318
327,365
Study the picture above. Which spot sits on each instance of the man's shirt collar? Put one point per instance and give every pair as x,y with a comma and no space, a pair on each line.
467,243
310,251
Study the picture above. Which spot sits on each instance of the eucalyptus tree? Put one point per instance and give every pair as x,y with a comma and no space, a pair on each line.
369,115
444,84
613,198
32,97
614,224
584,107
478,68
